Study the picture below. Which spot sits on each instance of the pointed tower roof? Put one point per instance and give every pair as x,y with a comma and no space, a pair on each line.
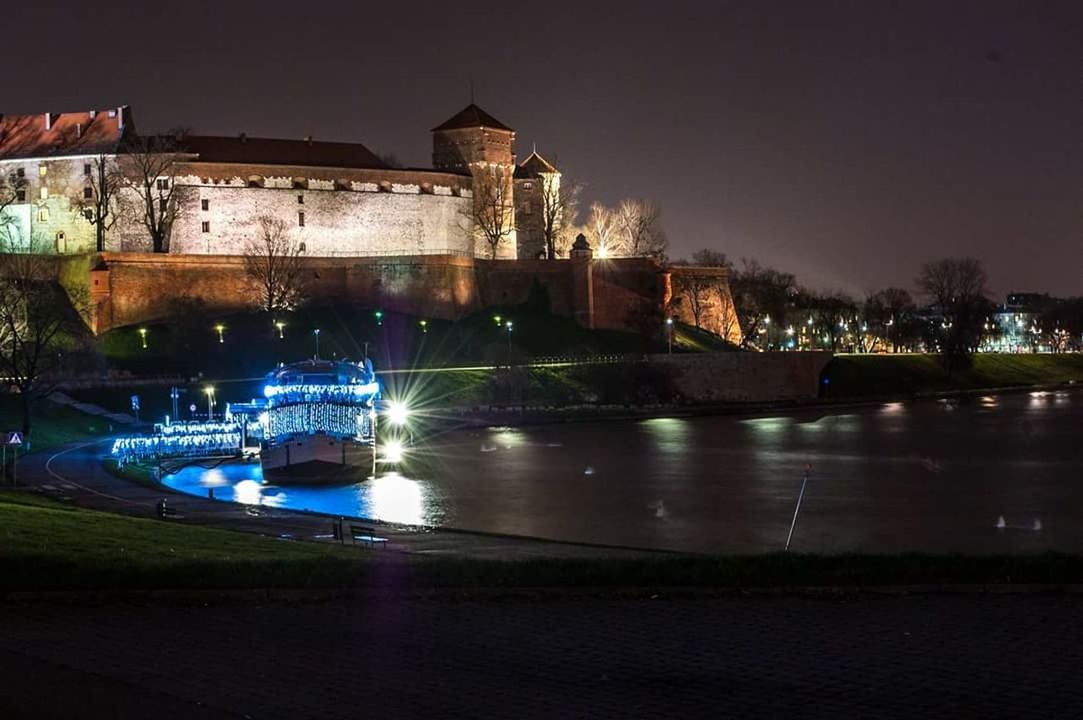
471,116
534,166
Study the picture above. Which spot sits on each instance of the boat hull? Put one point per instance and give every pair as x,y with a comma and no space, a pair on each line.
317,459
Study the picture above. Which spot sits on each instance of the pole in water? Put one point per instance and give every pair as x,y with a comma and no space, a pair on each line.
797,508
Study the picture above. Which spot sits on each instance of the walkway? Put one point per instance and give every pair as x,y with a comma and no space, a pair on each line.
75,474
937,656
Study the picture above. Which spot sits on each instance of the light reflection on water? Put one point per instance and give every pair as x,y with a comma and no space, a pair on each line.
894,476
389,497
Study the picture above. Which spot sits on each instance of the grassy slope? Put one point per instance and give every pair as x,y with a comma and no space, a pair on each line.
52,424
885,375
45,546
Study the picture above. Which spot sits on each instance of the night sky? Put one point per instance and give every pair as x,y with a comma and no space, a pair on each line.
843,141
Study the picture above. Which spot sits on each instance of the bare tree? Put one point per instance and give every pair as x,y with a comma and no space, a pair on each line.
887,317
272,260
493,209
148,168
38,320
704,291
98,202
639,224
559,208
958,290
601,227
761,296
12,191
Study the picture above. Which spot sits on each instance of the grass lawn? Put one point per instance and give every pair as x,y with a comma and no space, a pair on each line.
47,546
51,424
884,375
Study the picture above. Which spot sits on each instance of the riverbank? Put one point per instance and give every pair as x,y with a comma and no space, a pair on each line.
51,547
912,375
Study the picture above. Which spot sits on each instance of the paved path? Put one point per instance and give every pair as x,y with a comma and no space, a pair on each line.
75,474
952,656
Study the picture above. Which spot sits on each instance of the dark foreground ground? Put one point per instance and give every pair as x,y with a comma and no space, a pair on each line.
984,656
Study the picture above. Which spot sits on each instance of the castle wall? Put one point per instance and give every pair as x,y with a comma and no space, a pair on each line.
49,221
624,289
508,282
336,222
143,287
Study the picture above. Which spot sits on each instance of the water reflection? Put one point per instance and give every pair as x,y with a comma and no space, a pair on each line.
890,477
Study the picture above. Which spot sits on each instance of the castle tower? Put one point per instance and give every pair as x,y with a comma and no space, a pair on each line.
538,206
473,141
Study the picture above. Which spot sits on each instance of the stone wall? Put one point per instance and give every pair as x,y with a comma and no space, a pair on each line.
134,288
708,288
50,217
747,376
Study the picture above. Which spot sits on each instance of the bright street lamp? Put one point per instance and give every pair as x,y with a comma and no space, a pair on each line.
424,325
143,337
220,328
279,324
210,402
669,334
316,333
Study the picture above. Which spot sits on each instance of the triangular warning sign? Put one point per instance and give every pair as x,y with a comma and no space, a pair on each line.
15,438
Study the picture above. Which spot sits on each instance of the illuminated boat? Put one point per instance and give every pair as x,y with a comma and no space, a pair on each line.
319,421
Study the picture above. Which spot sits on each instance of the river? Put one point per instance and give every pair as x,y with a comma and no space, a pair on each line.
927,475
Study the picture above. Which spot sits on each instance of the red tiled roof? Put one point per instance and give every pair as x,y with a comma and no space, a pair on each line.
471,116
77,133
269,151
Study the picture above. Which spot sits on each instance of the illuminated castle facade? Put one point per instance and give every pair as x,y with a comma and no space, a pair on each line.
337,199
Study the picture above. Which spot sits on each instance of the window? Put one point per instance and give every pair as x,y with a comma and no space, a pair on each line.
20,195
43,214
301,247
206,226
45,193
43,170
88,193
528,186
86,169
162,205
20,173
205,205
163,183
300,218
89,215
300,199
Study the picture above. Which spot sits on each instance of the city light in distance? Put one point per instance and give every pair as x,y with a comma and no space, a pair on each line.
397,412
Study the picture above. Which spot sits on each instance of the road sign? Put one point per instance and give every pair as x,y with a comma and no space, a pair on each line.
192,407
14,438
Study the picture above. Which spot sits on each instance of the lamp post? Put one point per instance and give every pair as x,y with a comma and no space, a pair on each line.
210,402
424,326
669,334
279,324
220,329
379,315
143,337
509,325
316,334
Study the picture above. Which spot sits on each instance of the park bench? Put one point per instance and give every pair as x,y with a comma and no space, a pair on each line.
167,512
367,533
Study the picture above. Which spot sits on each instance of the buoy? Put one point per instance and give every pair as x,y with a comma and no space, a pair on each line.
1000,522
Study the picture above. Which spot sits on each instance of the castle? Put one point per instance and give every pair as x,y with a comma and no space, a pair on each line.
439,242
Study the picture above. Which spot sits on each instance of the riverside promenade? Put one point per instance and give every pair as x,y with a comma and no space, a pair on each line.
75,474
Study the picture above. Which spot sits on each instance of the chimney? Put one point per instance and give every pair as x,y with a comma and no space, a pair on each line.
308,139
48,121
78,130
244,137
120,118
93,114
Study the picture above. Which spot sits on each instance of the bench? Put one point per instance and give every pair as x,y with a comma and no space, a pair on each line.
167,512
366,533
